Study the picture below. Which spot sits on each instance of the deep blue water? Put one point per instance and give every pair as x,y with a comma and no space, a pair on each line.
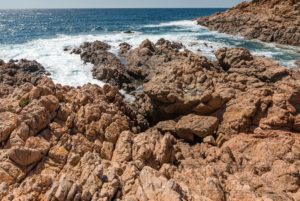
19,26
43,34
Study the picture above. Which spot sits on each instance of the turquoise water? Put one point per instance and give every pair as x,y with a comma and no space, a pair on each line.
43,34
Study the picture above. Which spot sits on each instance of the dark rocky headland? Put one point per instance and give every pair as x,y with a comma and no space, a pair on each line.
194,129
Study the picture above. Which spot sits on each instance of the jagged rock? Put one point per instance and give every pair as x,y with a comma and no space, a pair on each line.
267,20
239,59
128,32
146,47
25,156
124,48
153,186
191,125
8,122
233,57
85,143
166,44
297,63
16,73
107,67
209,140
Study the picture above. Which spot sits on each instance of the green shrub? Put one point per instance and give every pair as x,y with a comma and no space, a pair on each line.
24,102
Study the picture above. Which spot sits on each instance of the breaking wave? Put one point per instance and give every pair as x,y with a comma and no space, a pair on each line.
70,70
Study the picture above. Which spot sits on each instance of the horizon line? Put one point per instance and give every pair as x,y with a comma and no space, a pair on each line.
118,8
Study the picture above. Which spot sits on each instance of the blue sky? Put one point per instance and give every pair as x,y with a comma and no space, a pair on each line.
117,3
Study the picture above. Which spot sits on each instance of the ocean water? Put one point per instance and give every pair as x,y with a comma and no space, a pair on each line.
43,34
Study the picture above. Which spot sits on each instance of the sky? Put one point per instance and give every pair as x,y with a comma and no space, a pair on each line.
118,3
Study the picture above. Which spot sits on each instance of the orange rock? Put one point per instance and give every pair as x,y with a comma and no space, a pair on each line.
85,143
8,122
191,125
260,19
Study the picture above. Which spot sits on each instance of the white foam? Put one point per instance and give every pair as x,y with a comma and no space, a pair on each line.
69,69
65,68
180,23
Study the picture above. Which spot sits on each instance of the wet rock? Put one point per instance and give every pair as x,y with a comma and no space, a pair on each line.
94,46
297,63
129,32
148,45
107,67
124,48
241,61
107,150
63,189
232,57
166,44
166,126
58,154
17,73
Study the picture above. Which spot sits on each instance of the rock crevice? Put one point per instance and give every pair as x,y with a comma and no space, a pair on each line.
197,129
267,20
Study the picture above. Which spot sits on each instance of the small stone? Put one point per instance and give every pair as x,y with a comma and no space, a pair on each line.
58,154
63,189
107,150
25,156
74,159
209,140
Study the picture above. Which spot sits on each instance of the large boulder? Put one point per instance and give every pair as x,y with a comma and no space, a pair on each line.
240,60
194,125
25,156
107,67
233,57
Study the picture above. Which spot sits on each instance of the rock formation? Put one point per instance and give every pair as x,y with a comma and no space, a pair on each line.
197,130
267,20
107,66
16,73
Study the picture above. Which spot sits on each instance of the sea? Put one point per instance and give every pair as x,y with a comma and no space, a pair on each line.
43,34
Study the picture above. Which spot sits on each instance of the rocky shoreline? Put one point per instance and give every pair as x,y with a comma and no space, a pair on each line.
197,129
267,20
